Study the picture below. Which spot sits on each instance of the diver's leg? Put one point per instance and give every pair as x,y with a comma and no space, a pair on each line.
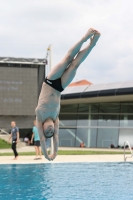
59,69
69,74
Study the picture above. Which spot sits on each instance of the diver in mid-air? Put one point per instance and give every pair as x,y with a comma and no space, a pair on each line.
58,79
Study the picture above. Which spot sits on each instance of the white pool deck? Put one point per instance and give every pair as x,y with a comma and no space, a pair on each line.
63,158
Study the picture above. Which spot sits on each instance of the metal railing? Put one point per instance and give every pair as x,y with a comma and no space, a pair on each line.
125,158
3,131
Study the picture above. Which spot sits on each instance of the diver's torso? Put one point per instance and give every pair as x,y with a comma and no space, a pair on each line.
48,103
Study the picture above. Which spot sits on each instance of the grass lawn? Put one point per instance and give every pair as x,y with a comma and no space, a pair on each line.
4,144
69,152
78,152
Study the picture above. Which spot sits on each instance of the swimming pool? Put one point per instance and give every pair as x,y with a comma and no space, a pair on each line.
67,181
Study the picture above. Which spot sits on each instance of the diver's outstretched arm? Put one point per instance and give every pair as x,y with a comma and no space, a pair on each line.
55,139
42,140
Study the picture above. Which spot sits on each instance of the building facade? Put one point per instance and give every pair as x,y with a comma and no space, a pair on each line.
98,115
20,85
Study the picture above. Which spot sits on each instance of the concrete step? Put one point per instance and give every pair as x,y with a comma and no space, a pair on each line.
21,144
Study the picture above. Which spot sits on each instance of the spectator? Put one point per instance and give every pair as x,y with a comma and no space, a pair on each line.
82,144
15,138
26,140
36,141
112,146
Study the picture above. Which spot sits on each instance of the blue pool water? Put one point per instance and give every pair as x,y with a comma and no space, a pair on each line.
67,181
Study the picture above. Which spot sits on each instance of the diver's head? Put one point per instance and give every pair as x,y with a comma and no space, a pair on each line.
48,128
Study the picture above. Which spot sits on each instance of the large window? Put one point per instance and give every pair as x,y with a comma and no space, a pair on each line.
97,125
86,135
72,108
106,137
127,108
87,120
125,134
126,120
108,120
88,108
67,137
109,108
68,120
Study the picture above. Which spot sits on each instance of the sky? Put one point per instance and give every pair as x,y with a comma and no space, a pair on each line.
27,27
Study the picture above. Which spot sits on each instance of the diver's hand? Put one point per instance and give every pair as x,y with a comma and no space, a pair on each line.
53,156
48,157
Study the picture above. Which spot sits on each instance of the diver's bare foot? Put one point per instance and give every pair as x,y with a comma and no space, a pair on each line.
95,38
89,34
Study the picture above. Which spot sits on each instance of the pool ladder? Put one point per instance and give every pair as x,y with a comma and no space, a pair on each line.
125,158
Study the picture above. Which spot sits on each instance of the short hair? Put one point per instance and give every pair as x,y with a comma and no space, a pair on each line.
13,122
48,136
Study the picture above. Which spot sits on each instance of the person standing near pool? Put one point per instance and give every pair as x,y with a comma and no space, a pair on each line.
36,141
15,138
58,79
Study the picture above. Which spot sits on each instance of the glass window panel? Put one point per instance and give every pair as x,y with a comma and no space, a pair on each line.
86,108
125,135
126,120
69,108
83,120
83,108
94,120
109,108
86,135
94,108
126,107
108,120
67,137
106,137
68,119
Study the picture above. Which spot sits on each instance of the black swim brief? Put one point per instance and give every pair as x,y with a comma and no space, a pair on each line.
56,84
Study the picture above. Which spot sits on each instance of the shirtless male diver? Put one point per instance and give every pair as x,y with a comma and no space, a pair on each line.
59,78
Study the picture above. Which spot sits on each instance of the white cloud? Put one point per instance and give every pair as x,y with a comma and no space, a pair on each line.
28,27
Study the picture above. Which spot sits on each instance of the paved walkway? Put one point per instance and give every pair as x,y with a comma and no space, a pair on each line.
62,158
